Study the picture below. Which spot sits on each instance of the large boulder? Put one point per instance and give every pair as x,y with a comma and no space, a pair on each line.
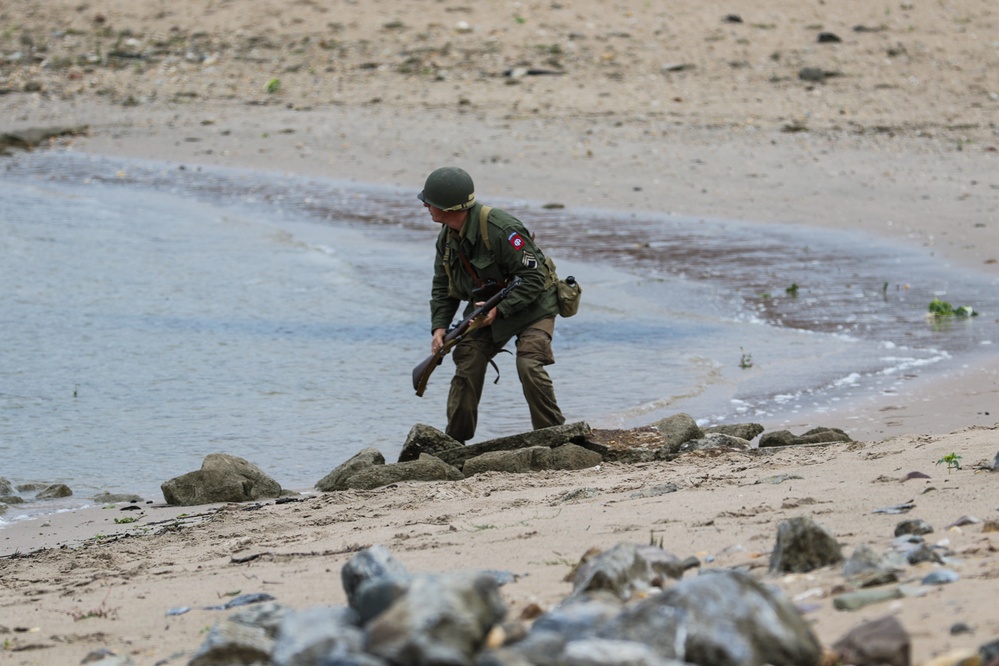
425,468
746,431
440,619
222,478
551,437
426,439
813,436
360,461
55,491
533,459
720,618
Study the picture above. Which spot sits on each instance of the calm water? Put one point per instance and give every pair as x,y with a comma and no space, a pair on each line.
152,314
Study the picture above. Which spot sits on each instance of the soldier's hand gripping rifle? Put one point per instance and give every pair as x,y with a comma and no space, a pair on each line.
422,372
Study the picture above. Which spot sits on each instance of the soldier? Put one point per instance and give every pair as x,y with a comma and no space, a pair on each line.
479,249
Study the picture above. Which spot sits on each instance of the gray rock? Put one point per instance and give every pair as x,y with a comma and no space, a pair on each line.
533,459
883,642
315,636
989,652
11,499
550,437
426,439
626,569
105,657
376,596
442,619
580,616
746,431
572,456
866,568
852,601
940,577
677,430
222,478
539,648
722,618
33,137
813,436
370,564
425,468
244,637
608,652
55,491
5,487
116,498
803,545
923,553
360,461
714,441
916,526
656,491
812,74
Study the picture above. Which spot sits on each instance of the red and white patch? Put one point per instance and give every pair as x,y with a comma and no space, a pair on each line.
516,241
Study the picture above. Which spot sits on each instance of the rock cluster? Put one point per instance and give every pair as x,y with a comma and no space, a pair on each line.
628,605
430,455
616,614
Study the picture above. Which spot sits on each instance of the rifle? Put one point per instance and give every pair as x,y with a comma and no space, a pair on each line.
422,372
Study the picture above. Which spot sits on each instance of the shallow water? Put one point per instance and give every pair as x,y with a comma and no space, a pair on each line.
153,314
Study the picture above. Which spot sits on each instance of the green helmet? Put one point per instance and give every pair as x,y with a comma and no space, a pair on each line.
448,188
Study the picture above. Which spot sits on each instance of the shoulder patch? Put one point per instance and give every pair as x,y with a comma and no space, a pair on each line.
516,241
529,260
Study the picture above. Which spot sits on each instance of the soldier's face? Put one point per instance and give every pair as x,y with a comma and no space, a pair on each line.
452,218
436,214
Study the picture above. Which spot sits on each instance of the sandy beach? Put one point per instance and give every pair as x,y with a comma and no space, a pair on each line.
889,128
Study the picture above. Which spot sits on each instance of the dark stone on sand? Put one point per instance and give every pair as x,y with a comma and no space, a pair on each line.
550,437
30,138
360,461
369,565
426,439
916,526
116,498
426,468
533,459
803,545
222,478
626,569
882,642
746,431
813,436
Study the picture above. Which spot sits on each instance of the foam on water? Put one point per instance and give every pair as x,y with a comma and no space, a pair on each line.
153,314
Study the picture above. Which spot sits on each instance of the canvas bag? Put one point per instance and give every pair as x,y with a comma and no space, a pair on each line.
569,291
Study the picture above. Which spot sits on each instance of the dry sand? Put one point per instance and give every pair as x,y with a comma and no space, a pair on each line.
656,106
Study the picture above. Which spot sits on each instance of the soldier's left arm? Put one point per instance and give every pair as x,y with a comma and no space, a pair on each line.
517,254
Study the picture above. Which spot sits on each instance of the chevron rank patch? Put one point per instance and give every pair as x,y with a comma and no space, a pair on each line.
516,241
529,260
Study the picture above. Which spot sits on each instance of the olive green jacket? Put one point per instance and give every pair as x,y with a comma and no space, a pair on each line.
513,253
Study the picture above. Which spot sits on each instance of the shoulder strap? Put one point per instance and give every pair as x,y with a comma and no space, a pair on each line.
483,230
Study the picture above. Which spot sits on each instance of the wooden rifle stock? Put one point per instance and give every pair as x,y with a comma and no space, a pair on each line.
422,372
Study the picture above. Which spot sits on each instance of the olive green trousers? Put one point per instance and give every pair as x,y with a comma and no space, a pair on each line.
471,359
